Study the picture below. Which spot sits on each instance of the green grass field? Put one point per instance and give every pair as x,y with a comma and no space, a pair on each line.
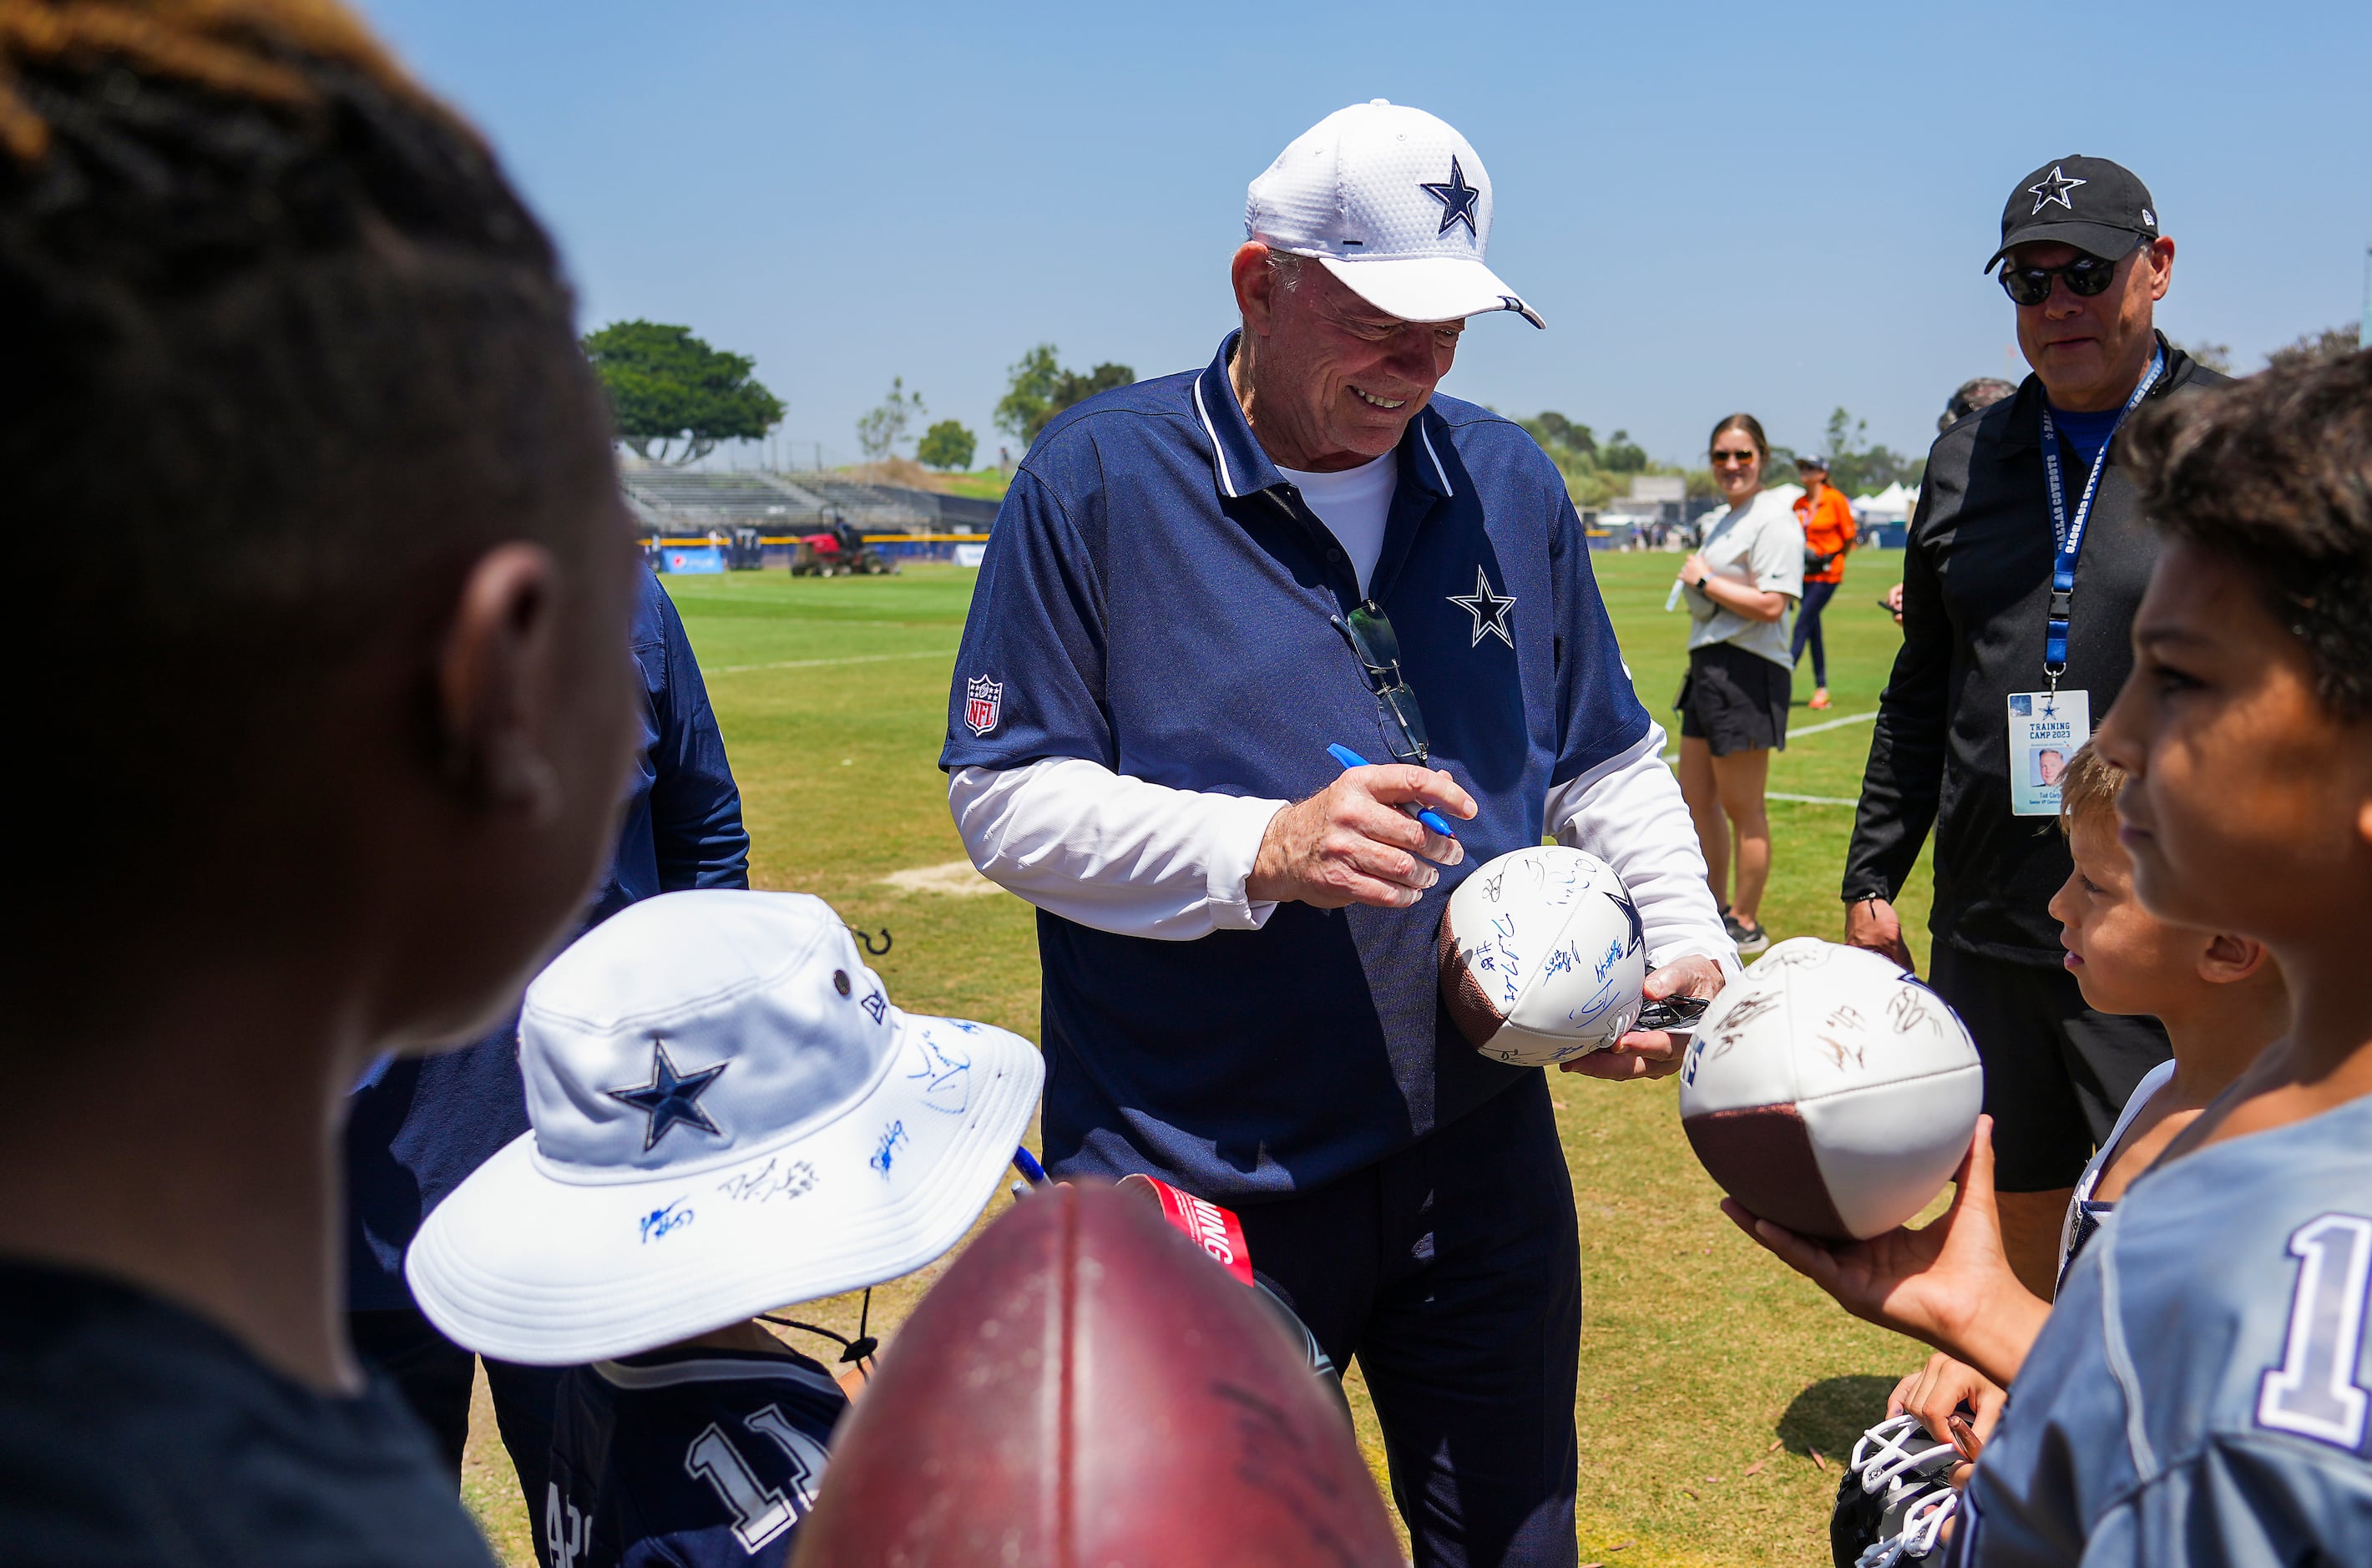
1710,1377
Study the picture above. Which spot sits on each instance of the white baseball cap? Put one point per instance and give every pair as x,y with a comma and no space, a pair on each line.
1395,203
728,1116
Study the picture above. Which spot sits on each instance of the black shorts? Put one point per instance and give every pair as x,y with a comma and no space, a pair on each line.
2056,1073
1735,700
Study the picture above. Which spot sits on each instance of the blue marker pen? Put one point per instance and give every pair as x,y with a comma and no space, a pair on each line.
1029,1167
1427,815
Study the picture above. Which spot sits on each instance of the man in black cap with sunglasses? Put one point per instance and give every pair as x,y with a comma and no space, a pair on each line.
2026,560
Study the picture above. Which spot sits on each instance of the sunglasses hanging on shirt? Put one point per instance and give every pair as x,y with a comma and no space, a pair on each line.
1377,649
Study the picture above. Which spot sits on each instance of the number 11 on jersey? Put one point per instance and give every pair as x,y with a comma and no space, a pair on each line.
2313,1392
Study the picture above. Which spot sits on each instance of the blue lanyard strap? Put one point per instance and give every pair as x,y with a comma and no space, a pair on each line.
2070,534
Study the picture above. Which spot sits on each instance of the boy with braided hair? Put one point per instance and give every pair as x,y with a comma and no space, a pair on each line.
323,725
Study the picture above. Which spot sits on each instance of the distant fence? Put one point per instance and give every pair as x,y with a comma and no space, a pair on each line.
745,550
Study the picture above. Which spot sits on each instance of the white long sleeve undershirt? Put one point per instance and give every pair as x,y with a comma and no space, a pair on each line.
1143,859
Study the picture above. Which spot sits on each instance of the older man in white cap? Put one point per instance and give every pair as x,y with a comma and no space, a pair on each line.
1197,586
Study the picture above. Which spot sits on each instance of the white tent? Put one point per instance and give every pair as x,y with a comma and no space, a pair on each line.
1891,504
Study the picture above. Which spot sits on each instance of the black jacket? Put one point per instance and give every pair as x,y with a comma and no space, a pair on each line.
1976,591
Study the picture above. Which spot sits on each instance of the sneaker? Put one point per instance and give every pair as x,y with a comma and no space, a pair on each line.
1751,939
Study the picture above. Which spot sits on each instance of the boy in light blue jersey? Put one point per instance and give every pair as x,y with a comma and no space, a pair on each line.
2199,1393
2221,1000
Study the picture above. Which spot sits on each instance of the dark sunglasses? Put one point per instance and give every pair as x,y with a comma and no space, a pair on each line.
1379,653
1728,457
2085,275
1676,1015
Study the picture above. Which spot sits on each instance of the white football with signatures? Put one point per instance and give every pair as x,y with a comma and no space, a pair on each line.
1831,1092
1542,956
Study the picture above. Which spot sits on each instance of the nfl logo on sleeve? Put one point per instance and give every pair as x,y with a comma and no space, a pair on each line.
984,703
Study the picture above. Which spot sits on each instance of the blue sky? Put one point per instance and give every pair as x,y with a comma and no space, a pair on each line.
1768,207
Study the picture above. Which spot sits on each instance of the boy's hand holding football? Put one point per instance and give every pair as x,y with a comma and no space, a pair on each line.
1947,1284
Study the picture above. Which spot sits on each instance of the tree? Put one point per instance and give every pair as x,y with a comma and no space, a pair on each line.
880,428
2315,348
1553,429
1838,439
1623,455
673,397
2214,356
1857,469
1038,388
947,445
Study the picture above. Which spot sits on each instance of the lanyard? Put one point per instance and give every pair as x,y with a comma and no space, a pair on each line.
2070,534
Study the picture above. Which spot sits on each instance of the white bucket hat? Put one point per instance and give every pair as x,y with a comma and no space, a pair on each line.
1394,202
728,1116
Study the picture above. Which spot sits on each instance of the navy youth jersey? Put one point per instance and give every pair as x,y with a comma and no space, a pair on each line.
690,1458
1157,599
2199,1394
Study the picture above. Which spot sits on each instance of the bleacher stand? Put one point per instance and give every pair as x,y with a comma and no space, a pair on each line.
678,504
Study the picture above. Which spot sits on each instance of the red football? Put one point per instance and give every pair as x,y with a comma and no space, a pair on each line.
1084,1387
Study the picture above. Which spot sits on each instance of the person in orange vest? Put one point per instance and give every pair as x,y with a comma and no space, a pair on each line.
1828,522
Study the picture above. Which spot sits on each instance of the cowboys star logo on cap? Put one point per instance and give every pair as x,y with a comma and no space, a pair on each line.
668,1098
1489,609
1457,199
2054,187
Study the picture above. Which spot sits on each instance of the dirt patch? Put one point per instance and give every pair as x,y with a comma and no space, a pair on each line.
955,878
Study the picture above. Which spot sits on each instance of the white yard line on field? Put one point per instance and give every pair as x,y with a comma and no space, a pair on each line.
1833,724
815,662
1796,733
1782,795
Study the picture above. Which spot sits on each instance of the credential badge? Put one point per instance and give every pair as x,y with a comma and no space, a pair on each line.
984,703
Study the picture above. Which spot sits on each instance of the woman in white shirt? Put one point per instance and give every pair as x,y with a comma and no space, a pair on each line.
1742,583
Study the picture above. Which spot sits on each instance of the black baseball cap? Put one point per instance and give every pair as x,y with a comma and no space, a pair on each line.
2099,207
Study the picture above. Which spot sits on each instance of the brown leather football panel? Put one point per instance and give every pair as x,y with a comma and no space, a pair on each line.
1762,1156
1470,1006
1084,1387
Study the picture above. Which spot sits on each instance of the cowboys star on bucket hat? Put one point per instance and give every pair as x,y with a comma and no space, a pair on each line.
728,1116
1395,203
2099,207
